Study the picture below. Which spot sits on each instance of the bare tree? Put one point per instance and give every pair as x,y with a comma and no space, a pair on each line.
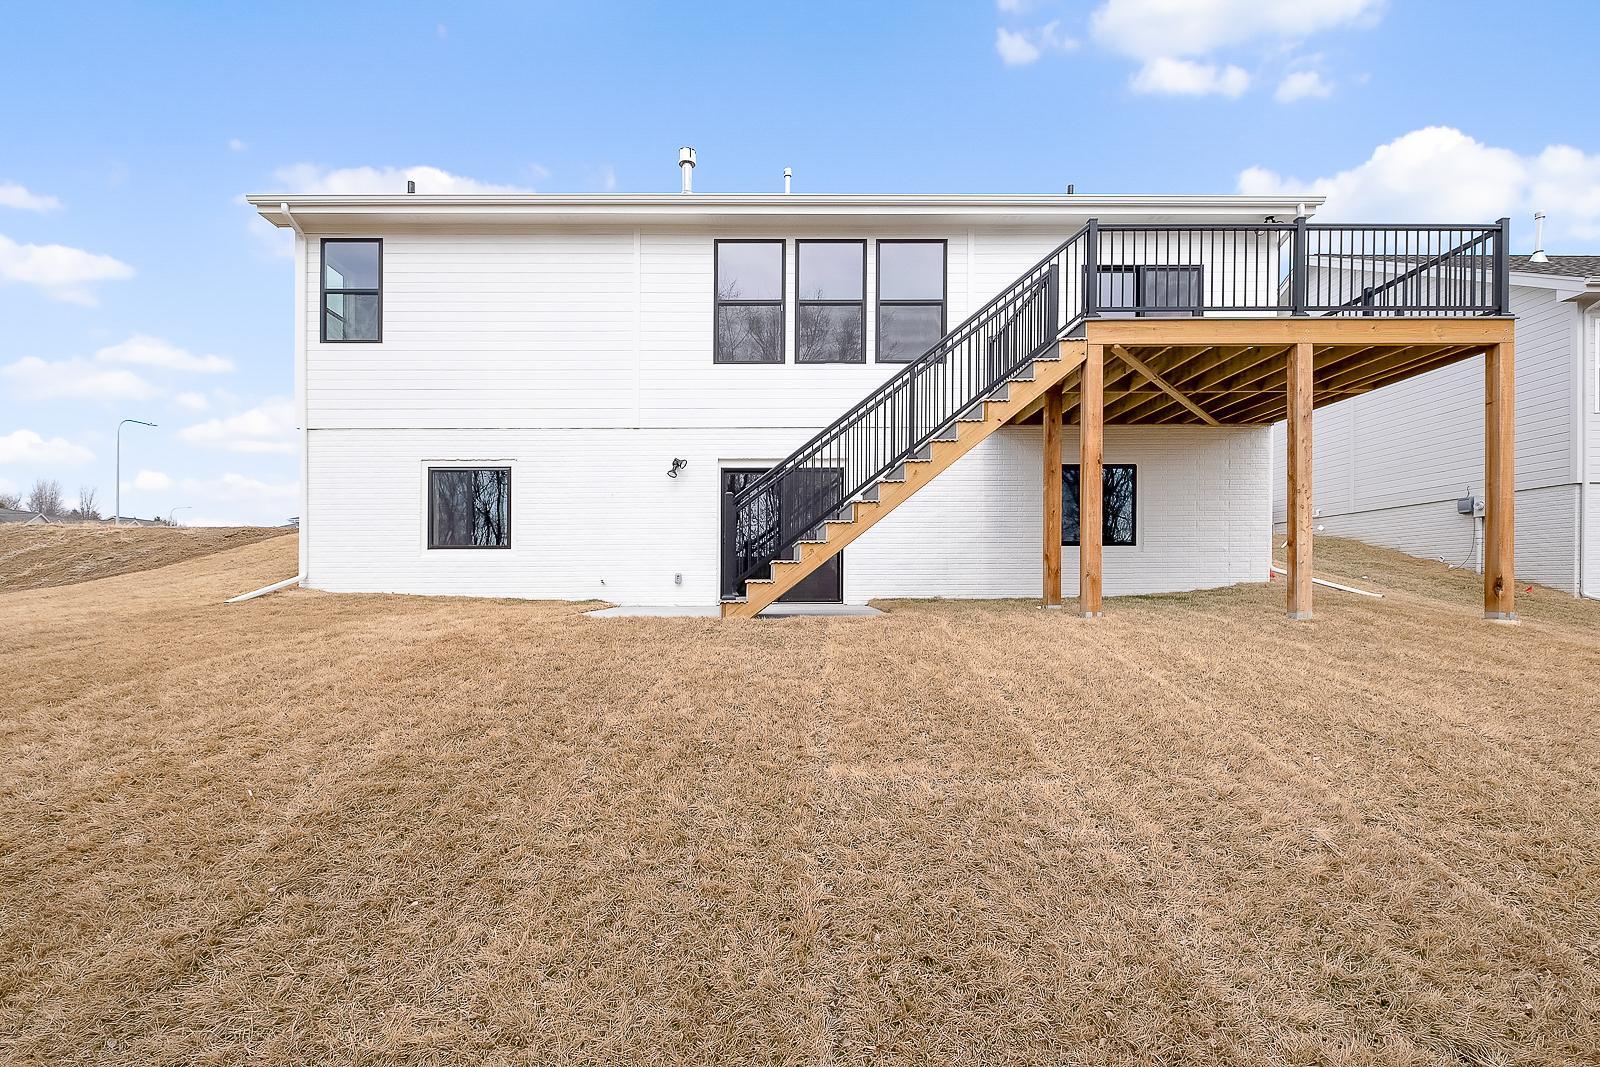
10,500
87,511
45,497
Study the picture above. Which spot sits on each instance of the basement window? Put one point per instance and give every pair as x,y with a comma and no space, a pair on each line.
831,287
469,507
1118,528
749,301
352,290
911,298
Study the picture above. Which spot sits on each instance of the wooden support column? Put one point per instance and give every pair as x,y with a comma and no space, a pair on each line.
1299,469
1052,497
1500,484
1091,480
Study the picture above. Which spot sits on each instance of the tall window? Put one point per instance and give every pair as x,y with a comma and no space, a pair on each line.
1118,527
352,290
1149,291
749,297
831,287
469,507
911,297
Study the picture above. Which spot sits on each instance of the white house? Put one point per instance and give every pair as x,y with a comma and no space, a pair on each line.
561,396
1404,467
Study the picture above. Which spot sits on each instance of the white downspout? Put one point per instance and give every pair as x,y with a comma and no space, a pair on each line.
301,403
1591,335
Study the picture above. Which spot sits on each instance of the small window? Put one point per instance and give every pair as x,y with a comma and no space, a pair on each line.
831,291
1118,527
911,298
352,290
1148,291
749,301
469,507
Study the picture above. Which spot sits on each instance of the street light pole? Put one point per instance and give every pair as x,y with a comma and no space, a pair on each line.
116,520
177,509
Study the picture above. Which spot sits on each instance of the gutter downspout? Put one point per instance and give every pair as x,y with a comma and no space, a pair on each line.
300,398
1589,318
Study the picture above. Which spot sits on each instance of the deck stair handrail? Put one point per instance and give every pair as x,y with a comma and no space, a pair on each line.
1272,268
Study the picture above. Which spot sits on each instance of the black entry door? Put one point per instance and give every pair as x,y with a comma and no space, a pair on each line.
772,513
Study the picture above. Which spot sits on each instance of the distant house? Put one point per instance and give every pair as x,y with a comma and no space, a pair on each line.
25,518
1403,466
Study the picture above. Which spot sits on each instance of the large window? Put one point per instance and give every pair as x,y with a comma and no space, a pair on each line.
749,296
831,286
911,296
469,507
1149,291
352,290
1119,526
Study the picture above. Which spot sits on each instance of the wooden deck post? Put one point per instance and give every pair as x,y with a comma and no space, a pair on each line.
1299,470
1091,475
1500,483
1053,403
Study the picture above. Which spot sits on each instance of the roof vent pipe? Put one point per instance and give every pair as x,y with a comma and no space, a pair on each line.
1538,239
686,165
411,187
788,177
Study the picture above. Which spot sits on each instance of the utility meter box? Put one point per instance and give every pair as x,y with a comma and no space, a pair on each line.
1469,505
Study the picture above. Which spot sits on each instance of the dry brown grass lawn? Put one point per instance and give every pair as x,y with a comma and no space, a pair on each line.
35,557
363,829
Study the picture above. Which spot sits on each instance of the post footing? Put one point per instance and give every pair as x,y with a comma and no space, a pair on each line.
1504,618
1090,614
1299,616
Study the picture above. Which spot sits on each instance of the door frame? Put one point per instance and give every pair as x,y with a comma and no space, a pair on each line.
751,467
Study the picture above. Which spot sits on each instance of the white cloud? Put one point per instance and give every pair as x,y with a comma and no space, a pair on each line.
192,401
152,481
236,498
154,352
1015,49
236,145
1300,85
62,272
1184,77
1439,173
1013,7
26,446
1018,48
608,178
79,378
351,181
268,427
1153,29
17,196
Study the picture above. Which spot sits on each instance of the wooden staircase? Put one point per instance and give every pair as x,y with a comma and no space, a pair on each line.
1014,399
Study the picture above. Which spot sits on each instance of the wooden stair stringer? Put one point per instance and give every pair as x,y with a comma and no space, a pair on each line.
864,514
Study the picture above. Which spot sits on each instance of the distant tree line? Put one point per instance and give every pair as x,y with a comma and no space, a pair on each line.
47,498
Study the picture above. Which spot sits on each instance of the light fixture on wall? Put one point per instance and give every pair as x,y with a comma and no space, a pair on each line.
677,465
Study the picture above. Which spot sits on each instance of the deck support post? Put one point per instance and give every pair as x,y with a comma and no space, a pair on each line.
1500,483
1299,470
1053,404
1091,480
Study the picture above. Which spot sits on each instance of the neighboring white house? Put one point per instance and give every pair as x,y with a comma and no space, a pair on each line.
556,396
1393,467
25,518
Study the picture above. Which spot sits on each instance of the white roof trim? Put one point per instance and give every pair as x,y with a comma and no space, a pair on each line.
421,207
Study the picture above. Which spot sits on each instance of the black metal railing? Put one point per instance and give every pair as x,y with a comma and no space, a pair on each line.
1105,270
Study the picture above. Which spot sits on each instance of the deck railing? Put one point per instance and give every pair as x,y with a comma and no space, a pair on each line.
1110,270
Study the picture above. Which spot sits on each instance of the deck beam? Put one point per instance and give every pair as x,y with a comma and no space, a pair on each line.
1500,483
1091,480
1051,534
1299,469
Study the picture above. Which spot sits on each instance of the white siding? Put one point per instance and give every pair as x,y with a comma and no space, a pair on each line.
595,516
1387,467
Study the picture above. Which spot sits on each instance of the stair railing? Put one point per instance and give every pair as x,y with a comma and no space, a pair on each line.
897,420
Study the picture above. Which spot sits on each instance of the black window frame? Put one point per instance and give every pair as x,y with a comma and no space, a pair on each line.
322,277
458,468
717,302
880,302
801,302
1077,478
1141,273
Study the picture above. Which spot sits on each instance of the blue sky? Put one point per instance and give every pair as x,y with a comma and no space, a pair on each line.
133,281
